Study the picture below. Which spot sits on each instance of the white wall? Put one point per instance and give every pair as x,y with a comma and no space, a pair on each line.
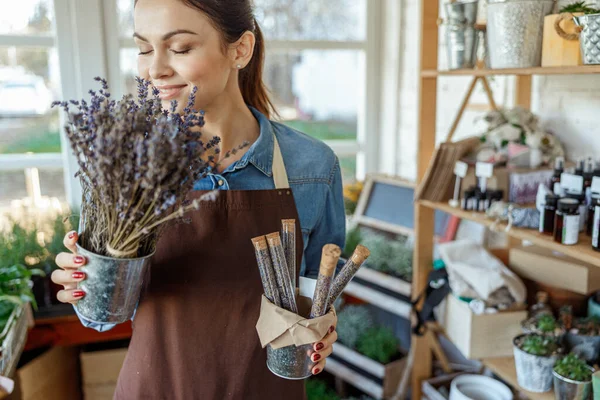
568,105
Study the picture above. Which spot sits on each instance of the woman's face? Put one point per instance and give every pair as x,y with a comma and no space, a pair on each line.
180,49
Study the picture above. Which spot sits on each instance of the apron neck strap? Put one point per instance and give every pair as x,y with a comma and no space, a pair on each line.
279,174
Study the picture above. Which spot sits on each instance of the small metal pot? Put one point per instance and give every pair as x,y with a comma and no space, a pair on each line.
291,362
112,287
585,346
567,389
589,38
534,373
464,11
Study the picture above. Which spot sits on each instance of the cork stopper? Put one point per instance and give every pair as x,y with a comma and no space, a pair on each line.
361,253
260,243
288,222
329,259
274,239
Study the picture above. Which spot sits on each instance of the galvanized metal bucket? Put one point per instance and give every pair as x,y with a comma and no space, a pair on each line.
112,287
567,389
291,362
515,32
589,37
464,11
461,45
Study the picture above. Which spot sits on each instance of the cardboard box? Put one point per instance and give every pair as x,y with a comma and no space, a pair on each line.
481,336
554,269
100,371
52,376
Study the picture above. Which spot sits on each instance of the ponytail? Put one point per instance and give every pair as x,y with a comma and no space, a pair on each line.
251,82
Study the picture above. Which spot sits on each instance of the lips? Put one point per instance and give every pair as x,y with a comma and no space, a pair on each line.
169,92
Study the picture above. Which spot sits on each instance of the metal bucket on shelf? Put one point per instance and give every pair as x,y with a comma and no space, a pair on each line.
565,388
462,38
515,31
112,287
589,38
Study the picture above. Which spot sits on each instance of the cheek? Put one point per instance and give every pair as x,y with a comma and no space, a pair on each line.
209,74
143,66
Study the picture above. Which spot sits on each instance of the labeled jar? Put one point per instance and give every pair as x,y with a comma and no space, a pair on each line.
591,214
566,223
596,228
548,215
467,200
582,208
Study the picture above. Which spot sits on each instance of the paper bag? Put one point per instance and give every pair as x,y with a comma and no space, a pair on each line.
280,328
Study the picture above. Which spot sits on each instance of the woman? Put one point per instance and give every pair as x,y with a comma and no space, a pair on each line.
194,331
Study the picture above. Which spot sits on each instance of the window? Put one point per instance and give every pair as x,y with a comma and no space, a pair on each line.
31,165
317,69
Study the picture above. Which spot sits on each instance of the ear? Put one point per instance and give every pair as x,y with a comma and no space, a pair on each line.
242,50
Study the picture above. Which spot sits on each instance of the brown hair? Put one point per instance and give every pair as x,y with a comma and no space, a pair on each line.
232,20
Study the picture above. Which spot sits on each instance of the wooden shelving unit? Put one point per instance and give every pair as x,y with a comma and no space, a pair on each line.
424,210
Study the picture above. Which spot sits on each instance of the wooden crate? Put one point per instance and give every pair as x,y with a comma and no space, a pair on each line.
388,376
481,336
100,371
556,50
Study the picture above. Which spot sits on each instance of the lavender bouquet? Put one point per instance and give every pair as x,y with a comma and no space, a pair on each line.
137,162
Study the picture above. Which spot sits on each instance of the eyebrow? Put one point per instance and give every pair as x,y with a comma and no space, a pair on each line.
167,36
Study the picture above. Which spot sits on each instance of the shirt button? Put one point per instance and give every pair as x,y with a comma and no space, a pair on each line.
220,182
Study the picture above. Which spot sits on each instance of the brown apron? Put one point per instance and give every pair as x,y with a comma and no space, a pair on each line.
194,334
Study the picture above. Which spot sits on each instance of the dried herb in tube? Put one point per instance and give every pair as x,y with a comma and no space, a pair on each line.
265,267
329,258
288,236
282,273
361,253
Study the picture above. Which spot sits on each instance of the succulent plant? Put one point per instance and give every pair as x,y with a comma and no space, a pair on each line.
579,7
573,367
379,344
389,256
353,322
537,345
317,389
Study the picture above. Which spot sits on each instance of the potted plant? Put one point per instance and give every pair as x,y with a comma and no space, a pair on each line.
561,36
137,165
544,325
583,338
572,378
535,356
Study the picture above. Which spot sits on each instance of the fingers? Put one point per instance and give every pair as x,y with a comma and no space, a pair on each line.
70,240
70,296
317,369
327,341
318,356
323,349
67,277
70,261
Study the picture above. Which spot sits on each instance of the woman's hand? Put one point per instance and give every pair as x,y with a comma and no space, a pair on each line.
69,274
323,349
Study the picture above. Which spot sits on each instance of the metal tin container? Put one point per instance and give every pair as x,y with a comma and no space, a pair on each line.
112,287
534,373
515,31
462,11
461,46
589,38
291,362
568,389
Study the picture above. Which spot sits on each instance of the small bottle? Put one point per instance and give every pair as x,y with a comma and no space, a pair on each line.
591,214
541,307
597,169
588,175
548,214
580,167
596,228
582,209
477,200
566,223
559,168
484,202
467,200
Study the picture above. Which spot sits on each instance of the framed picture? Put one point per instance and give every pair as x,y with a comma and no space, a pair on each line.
387,204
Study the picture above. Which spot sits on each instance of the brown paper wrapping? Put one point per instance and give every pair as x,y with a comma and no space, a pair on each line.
280,328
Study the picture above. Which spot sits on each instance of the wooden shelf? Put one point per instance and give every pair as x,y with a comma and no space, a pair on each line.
505,369
582,251
385,281
580,70
357,380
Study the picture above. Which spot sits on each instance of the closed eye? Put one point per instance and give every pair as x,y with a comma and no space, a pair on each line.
181,52
143,53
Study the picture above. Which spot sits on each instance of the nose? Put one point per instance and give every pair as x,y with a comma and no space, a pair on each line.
160,67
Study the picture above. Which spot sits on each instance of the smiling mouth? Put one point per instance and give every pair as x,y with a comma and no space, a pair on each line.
171,92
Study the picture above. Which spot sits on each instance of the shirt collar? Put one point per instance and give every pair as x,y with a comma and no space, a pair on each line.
260,154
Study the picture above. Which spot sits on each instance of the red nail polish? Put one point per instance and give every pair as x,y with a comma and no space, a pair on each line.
78,293
78,260
71,235
317,370
320,346
332,329
78,275
316,357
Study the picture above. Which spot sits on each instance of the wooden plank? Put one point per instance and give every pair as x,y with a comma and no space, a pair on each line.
355,358
505,368
573,70
523,91
357,380
582,251
385,281
381,300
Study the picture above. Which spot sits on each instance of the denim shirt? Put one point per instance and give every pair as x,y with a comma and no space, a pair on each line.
315,179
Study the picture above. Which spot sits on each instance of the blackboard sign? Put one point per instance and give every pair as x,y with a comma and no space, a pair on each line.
388,203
